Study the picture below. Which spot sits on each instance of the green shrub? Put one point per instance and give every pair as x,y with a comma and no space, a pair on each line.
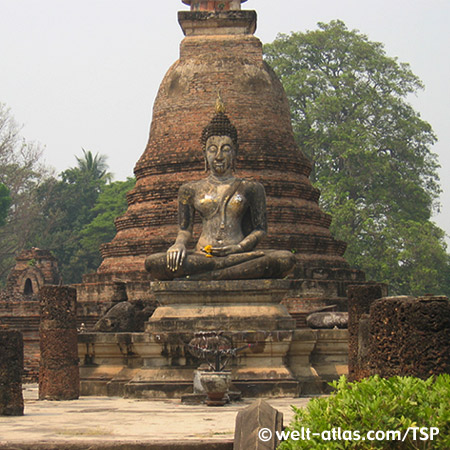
377,404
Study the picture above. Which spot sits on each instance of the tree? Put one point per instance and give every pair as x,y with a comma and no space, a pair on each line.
5,202
65,208
77,215
371,151
111,203
96,166
22,172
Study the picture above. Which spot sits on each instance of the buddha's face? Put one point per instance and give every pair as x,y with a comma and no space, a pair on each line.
220,154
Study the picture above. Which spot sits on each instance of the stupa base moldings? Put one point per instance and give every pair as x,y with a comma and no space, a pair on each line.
157,363
151,365
145,365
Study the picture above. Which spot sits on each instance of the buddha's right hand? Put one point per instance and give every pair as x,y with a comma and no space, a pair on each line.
175,256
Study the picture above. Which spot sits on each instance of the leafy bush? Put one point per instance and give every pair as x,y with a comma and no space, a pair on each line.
377,404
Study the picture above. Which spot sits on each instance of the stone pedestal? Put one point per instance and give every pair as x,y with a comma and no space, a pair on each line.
59,377
203,23
248,312
11,368
233,305
157,363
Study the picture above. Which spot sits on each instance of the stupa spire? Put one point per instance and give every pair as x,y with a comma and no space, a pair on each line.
214,5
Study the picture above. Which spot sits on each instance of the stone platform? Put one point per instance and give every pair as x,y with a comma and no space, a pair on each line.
274,359
157,363
110,361
116,423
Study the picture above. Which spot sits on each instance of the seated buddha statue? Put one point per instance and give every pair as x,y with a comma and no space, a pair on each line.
233,215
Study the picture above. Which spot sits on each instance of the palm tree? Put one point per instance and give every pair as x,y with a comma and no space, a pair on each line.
96,166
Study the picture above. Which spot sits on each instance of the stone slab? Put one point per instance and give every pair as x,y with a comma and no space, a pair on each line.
229,305
117,423
250,420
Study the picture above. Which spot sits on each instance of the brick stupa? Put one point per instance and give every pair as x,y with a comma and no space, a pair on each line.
220,53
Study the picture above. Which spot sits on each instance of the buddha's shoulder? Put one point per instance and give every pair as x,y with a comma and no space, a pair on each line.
192,186
252,185
187,191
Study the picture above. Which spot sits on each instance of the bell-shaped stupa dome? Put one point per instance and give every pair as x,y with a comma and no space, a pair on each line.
220,53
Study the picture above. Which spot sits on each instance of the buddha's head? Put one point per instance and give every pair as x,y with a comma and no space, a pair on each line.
220,143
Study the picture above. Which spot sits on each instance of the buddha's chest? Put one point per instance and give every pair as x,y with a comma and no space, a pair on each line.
216,202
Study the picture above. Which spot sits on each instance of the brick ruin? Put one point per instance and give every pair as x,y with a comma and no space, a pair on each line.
397,336
410,336
360,299
11,368
220,53
59,377
34,268
19,303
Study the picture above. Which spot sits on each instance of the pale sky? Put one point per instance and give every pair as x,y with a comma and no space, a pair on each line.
85,73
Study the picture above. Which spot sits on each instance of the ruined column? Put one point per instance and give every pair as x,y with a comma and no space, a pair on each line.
59,377
410,336
360,298
11,368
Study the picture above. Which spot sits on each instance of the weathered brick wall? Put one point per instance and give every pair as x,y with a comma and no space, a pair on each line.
23,315
59,377
11,367
410,336
20,310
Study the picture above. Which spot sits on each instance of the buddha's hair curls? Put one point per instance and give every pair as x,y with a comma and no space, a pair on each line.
220,125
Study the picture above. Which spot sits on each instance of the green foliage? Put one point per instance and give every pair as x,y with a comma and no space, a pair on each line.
370,151
111,203
409,255
71,215
77,215
5,202
377,404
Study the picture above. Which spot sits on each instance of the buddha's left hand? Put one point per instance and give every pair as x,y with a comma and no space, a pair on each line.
226,250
